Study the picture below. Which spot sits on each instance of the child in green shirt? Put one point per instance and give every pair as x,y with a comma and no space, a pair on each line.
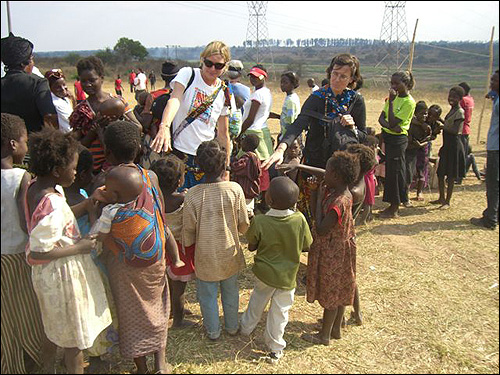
279,238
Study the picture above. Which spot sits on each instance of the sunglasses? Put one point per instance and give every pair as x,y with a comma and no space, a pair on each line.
209,64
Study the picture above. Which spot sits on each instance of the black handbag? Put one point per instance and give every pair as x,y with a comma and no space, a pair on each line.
336,136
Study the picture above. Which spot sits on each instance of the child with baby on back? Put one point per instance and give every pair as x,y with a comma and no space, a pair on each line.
133,248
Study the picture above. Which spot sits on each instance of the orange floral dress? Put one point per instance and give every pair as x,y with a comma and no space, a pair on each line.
331,269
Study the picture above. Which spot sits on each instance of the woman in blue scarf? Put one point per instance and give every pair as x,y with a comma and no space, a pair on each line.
332,107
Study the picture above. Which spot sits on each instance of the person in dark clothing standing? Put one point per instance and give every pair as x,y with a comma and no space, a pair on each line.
23,94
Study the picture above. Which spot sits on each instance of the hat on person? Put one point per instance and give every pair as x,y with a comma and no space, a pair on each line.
15,50
169,68
257,72
235,65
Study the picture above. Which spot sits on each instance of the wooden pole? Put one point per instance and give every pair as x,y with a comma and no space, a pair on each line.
412,48
490,70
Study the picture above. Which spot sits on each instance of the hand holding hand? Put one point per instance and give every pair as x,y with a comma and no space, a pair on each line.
276,157
286,168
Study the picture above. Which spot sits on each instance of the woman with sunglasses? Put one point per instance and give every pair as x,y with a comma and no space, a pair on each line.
63,100
197,110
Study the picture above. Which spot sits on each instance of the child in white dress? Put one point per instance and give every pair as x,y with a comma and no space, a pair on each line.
66,281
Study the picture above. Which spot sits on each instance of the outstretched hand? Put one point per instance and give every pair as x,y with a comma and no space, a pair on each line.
286,168
276,157
162,140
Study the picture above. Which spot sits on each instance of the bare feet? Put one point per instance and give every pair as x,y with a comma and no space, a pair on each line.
388,214
355,320
445,206
437,201
315,339
182,324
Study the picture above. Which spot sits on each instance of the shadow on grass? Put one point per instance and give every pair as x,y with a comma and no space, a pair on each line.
424,226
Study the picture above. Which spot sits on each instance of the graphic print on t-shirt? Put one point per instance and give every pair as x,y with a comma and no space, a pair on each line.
198,99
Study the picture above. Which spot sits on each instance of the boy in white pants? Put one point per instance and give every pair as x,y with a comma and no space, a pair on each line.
279,238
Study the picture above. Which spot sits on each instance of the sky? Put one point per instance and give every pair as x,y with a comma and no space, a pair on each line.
82,25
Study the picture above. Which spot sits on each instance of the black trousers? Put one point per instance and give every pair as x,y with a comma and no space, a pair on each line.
395,186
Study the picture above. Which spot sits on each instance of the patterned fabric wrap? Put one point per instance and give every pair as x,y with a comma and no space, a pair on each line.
138,229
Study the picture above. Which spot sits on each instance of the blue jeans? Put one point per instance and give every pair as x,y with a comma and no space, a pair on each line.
207,293
490,215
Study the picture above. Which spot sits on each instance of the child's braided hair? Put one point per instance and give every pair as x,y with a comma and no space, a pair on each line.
211,157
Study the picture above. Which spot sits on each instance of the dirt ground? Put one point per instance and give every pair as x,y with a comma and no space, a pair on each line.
428,284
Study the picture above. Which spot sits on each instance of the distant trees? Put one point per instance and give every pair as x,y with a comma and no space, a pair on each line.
128,49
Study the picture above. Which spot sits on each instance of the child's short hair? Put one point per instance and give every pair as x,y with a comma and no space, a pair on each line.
284,192
141,98
367,158
346,165
370,130
169,171
292,76
250,142
85,159
112,107
371,141
50,148
123,140
437,108
420,106
457,90
211,157
13,128
90,63
406,77
465,86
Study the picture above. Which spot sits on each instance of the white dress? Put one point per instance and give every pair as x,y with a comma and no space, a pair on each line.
70,290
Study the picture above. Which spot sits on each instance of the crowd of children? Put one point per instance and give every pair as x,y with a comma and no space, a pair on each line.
117,247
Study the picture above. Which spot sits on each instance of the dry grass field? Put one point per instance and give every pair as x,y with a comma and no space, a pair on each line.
428,284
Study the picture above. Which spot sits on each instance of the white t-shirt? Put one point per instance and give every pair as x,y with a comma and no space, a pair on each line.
140,81
13,237
203,127
265,98
64,109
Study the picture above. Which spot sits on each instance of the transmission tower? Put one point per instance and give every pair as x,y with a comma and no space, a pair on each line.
257,48
394,34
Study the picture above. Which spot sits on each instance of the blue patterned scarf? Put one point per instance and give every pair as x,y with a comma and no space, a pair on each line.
335,105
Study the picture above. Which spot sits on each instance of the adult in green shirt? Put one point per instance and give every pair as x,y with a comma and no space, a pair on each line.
395,120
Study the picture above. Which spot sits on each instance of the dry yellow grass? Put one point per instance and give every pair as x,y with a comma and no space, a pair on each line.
428,284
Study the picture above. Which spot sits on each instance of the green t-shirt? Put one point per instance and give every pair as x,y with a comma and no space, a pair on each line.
280,242
403,110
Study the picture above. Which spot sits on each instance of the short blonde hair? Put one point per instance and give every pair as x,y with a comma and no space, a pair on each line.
216,48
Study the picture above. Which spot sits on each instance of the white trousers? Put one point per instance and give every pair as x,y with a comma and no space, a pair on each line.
277,316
